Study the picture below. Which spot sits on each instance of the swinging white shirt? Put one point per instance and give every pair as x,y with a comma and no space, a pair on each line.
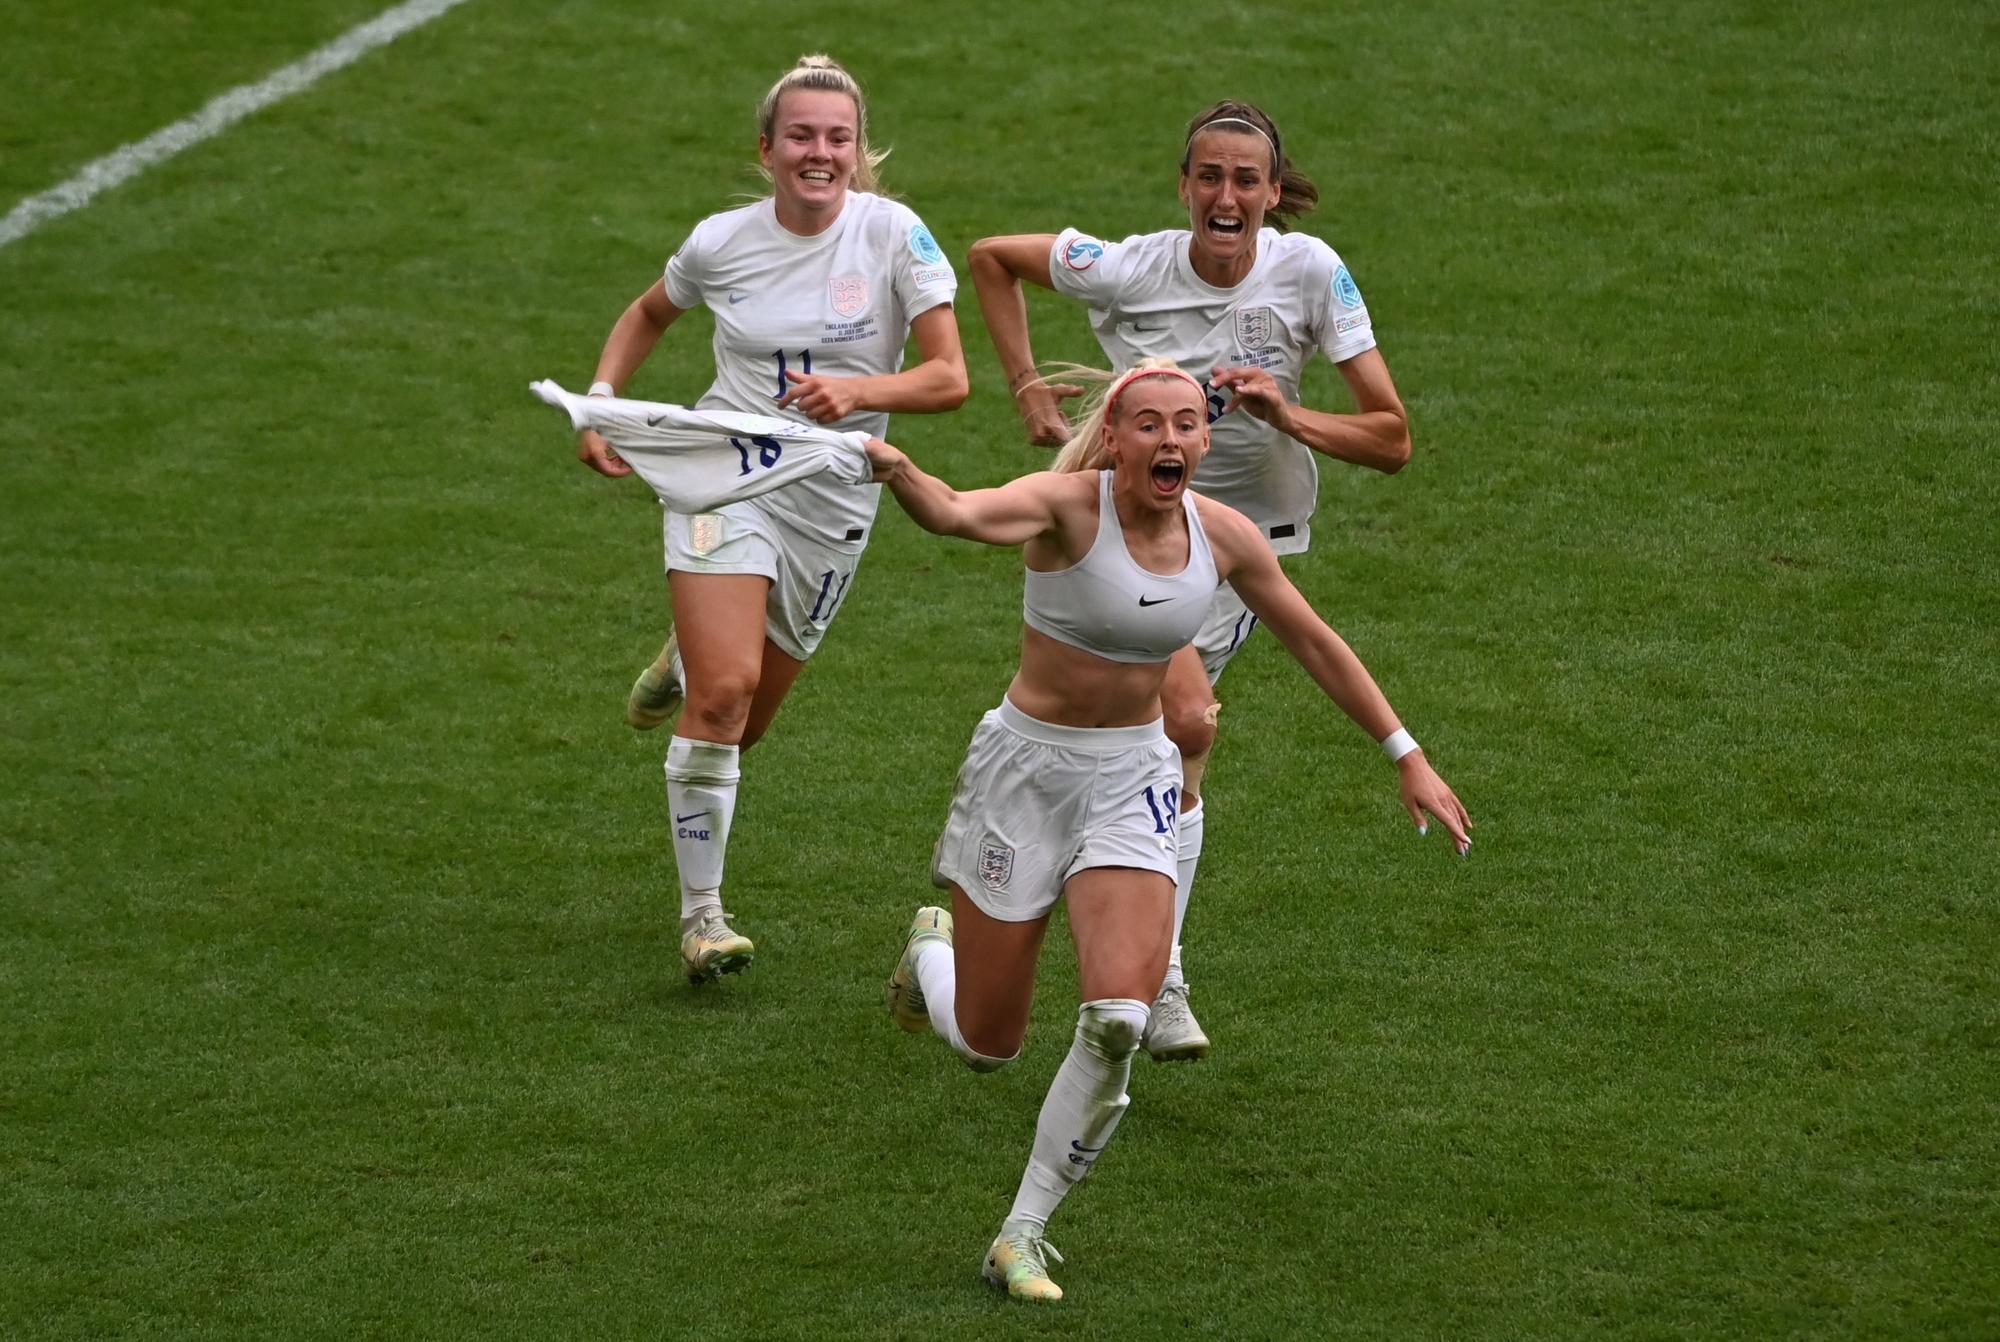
698,460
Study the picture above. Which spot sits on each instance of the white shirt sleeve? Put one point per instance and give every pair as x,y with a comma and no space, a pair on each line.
922,273
1340,317
1090,270
685,273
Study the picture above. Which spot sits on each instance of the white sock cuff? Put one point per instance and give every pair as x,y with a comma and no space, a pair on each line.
692,761
1188,830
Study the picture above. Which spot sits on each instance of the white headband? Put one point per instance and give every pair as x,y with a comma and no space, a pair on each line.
1277,157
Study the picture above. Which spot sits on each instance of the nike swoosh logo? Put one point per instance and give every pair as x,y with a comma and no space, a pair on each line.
734,299
1155,601
653,421
691,815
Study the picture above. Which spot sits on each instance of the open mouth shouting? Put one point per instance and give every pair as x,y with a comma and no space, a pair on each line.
1224,228
1168,475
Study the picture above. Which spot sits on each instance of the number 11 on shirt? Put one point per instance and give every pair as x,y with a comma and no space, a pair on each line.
805,370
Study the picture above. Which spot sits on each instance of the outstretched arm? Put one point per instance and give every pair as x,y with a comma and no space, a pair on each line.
998,266
1013,514
1376,435
1245,559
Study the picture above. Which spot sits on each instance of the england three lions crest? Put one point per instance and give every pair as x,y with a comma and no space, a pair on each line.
1253,328
847,294
996,864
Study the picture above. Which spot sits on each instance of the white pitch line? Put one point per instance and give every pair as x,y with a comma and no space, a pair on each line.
221,113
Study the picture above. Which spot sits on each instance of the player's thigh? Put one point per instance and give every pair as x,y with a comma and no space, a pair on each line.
1186,697
1122,920
780,672
721,567
719,623
1120,885
995,961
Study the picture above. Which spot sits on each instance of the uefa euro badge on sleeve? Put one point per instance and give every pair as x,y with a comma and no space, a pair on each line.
1082,253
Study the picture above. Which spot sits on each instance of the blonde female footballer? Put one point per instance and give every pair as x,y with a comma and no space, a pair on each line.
815,290
1068,790
1246,306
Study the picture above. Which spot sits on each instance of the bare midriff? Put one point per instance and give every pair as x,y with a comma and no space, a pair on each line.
1073,688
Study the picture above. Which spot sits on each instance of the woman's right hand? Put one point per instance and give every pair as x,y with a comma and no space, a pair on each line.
1040,404
885,458
594,452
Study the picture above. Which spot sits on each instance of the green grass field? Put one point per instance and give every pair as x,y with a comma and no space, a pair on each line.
337,970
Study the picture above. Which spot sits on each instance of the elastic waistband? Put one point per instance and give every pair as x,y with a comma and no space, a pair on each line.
1095,739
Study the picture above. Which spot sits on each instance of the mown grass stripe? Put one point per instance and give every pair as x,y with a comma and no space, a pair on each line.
222,112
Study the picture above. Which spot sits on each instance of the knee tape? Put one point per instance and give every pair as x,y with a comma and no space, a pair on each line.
1192,769
1194,766
1111,1027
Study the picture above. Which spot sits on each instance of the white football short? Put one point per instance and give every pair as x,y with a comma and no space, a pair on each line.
809,578
1037,803
1224,632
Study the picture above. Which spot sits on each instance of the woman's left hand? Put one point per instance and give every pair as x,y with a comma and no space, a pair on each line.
1425,792
825,399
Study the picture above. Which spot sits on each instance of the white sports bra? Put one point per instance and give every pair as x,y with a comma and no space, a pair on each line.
1107,605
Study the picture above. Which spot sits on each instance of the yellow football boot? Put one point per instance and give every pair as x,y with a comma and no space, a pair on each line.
906,999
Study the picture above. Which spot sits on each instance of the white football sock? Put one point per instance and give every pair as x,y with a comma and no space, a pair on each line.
937,980
1085,1102
701,800
1189,834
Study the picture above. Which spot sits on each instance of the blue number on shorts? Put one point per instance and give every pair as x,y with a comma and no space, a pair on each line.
806,364
826,586
1170,800
768,452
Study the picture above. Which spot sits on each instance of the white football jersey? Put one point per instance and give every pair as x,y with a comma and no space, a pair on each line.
840,303
1145,300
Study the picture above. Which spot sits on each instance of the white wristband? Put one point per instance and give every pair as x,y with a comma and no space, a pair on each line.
603,389
1398,743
